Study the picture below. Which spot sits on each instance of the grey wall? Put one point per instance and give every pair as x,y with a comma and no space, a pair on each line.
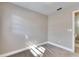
60,25
18,22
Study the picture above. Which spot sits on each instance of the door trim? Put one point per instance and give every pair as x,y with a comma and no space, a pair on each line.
73,28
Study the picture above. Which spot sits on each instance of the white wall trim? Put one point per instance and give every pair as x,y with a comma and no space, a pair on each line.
60,46
42,43
20,50
13,52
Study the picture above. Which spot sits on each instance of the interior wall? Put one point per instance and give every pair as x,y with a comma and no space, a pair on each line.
22,28
60,27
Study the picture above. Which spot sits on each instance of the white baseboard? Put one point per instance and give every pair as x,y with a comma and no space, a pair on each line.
71,50
20,50
42,43
14,52
23,49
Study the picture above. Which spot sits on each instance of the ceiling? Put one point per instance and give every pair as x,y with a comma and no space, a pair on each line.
45,8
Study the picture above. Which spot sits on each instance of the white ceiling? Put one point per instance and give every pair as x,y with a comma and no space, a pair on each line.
45,8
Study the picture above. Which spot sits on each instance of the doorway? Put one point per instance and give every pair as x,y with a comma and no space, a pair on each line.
76,31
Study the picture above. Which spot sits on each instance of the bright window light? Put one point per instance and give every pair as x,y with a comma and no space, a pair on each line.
41,49
33,53
37,51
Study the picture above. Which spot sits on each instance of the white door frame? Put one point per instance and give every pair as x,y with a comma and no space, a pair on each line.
73,28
